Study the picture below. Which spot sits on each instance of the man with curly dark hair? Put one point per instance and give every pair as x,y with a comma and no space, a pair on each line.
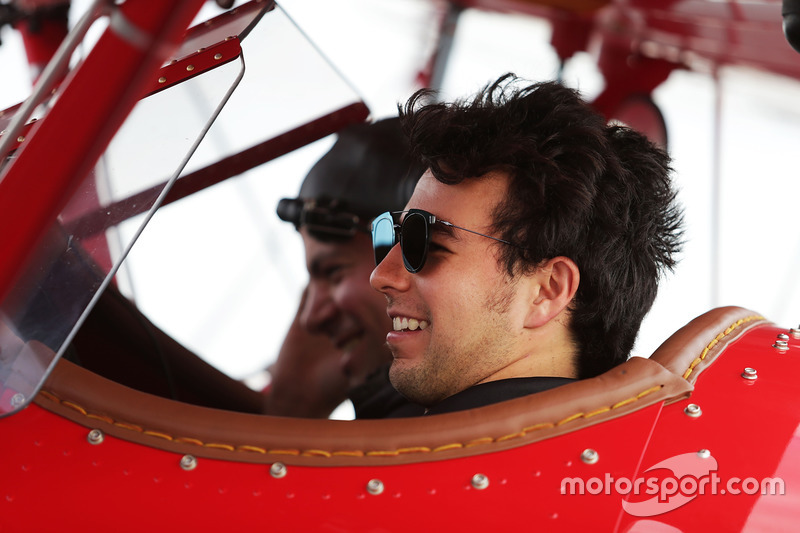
531,249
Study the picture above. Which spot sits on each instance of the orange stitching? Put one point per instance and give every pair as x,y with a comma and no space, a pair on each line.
351,453
214,445
511,436
597,412
535,427
100,417
158,434
49,396
76,407
414,449
477,442
648,391
322,453
623,403
354,453
188,440
716,340
453,446
246,448
379,453
132,427
570,418
284,452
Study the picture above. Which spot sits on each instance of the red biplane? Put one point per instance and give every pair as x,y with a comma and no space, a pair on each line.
698,436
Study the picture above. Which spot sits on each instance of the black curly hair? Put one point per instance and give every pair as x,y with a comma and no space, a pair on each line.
599,194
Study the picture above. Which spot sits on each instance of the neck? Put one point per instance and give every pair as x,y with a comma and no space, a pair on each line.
548,351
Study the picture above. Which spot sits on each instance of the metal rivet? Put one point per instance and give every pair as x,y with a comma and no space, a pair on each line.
590,456
189,68
95,436
188,462
480,481
693,410
750,373
795,332
200,50
704,454
278,470
162,79
375,486
781,345
783,337
18,400
20,138
218,56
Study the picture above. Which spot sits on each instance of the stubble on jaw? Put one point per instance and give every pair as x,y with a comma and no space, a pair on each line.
445,370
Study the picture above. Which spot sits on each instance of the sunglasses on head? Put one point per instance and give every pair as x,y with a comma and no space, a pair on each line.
326,223
413,234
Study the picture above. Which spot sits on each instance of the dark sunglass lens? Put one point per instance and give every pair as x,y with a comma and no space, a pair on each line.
414,241
382,236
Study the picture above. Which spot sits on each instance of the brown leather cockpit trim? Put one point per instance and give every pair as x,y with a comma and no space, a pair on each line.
694,347
95,402
667,376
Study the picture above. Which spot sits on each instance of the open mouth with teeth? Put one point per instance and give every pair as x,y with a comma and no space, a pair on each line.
411,324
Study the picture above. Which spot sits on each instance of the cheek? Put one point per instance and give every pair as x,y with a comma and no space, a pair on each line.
356,296
455,300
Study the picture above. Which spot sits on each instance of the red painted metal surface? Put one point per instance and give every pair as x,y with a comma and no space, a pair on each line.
194,64
638,43
749,427
726,33
524,484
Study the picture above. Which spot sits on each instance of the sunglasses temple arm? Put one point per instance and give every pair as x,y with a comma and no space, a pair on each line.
474,232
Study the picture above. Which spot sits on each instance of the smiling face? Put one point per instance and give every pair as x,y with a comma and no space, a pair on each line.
341,304
471,309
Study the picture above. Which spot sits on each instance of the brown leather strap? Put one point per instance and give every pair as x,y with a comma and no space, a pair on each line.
132,415
667,376
691,349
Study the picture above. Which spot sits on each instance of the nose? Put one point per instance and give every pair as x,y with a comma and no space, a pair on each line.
390,275
317,309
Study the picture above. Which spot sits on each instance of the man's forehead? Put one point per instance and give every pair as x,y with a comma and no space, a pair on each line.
471,201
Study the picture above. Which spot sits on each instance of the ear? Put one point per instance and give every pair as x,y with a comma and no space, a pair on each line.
553,285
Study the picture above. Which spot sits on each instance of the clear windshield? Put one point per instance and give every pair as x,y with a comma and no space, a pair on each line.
77,259
273,110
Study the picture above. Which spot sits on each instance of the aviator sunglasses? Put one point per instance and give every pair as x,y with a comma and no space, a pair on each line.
413,234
